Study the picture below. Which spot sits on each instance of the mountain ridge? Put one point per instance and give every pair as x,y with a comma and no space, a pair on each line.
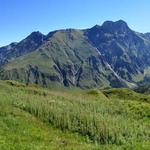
108,55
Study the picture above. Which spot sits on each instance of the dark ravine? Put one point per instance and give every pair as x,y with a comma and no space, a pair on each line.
102,56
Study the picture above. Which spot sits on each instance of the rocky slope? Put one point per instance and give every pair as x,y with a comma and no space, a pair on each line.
125,50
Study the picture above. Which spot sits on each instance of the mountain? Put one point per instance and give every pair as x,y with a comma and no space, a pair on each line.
14,50
126,51
102,56
147,35
66,58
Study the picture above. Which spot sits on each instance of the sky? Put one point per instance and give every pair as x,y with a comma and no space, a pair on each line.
18,18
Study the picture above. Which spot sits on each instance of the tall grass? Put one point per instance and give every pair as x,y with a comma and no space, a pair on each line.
90,113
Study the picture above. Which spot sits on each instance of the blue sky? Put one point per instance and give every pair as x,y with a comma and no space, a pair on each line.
18,18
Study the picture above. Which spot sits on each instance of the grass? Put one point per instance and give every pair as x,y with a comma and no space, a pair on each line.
84,119
21,131
126,94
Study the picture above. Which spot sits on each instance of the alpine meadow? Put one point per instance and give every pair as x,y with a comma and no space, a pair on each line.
74,87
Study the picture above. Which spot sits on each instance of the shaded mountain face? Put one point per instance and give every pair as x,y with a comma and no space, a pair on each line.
14,50
108,55
147,35
126,51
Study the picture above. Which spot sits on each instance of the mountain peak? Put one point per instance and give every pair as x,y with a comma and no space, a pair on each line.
97,26
120,26
111,23
36,37
35,34
121,22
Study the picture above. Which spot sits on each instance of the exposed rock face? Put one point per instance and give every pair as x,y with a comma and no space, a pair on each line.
126,51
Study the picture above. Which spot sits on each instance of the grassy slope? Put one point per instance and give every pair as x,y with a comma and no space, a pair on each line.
21,131
126,94
29,117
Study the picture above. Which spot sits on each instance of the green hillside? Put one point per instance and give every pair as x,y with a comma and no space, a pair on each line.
35,118
126,94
